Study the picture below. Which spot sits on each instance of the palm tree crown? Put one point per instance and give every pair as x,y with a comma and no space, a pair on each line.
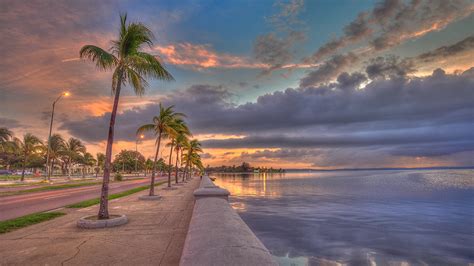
130,65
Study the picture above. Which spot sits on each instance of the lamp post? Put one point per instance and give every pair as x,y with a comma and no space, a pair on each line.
48,170
136,153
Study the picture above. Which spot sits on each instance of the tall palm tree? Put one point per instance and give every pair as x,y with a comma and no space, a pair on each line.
130,66
180,128
181,141
29,145
56,149
73,150
193,148
163,126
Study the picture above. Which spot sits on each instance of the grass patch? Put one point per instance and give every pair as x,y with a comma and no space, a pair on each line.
10,177
24,221
47,188
88,203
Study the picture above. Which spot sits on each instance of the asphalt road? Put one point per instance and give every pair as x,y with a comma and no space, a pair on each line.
19,205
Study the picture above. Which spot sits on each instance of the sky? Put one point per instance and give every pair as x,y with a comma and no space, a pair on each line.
294,84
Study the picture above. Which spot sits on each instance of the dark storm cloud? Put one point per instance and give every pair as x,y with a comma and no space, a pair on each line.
350,81
391,66
443,52
388,138
392,115
328,70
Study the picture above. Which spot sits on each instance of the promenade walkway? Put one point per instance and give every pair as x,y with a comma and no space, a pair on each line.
154,235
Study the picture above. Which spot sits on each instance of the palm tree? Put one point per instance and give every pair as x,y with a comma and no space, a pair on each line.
73,150
162,126
87,160
28,146
130,66
180,128
181,141
193,148
5,136
56,149
100,162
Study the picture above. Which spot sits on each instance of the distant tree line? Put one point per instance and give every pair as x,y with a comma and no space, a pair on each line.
243,168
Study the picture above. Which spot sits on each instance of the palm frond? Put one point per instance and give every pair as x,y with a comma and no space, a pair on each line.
102,59
138,82
146,128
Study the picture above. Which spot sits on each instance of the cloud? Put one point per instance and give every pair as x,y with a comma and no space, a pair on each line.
198,56
444,52
392,22
275,49
389,66
329,70
391,117
10,123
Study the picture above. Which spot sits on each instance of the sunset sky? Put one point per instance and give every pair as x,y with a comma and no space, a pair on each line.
293,84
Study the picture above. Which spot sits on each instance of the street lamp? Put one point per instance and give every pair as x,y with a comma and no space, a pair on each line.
48,171
136,152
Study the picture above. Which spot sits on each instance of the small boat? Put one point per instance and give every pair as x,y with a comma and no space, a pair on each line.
212,178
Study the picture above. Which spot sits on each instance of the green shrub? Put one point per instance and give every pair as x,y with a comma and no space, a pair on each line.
118,177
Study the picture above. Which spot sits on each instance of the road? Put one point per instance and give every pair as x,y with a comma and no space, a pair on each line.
19,205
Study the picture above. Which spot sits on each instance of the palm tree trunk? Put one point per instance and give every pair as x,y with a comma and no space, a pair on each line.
176,166
23,169
187,167
152,185
169,170
104,196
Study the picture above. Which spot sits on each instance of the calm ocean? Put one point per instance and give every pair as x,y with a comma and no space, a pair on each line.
382,217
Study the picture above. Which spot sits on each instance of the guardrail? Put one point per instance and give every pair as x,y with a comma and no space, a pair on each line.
217,235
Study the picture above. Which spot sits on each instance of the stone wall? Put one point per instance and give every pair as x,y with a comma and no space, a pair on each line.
217,235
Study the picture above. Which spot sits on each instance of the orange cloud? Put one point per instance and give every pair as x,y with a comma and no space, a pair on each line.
199,56
202,56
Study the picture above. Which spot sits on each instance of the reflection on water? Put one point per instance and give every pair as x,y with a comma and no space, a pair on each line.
360,217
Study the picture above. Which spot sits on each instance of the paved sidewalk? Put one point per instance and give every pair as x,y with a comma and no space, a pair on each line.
155,234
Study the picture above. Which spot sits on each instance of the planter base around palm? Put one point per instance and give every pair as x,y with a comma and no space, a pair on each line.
92,222
148,197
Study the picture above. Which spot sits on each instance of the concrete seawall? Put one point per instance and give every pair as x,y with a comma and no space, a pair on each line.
217,235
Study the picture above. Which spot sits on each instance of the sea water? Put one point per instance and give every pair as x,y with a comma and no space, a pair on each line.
378,217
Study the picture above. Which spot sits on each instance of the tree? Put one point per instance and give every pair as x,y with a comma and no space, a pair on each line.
162,127
100,159
72,152
87,160
179,127
28,146
5,136
130,66
57,148
126,159
180,141
193,148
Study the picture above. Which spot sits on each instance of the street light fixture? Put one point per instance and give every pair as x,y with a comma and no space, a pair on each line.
48,170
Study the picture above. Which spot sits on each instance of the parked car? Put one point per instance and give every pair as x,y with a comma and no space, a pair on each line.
5,172
19,172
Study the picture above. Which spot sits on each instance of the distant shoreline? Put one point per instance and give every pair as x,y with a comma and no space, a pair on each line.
352,169
383,169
